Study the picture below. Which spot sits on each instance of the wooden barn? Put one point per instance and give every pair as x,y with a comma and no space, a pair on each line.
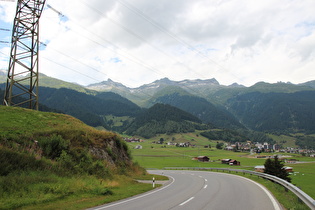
203,158
234,163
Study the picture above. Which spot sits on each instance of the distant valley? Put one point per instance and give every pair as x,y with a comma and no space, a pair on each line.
277,108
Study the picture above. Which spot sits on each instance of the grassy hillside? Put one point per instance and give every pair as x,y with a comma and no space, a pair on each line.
50,160
46,81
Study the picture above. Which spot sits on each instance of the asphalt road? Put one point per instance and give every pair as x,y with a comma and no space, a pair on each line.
194,190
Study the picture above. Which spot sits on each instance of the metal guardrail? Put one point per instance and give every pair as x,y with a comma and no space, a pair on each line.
308,200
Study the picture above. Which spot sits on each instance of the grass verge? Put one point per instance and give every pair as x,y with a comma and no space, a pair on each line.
40,190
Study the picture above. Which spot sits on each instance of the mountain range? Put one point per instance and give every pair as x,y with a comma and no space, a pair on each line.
279,107
209,89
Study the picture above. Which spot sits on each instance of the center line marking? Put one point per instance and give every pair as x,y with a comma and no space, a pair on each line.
186,201
205,186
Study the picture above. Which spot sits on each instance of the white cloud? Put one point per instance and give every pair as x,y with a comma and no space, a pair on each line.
138,41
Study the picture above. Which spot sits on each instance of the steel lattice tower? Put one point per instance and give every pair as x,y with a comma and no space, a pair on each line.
22,80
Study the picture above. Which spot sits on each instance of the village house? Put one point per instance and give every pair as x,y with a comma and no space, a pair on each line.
185,144
225,161
230,162
260,169
202,158
290,160
138,147
288,169
229,148
234,163
133,140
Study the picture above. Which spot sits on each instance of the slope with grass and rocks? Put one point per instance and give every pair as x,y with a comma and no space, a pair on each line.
62,158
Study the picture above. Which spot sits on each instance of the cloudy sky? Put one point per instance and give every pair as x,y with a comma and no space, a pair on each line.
135,42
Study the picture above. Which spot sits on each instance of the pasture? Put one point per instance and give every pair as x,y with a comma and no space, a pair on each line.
158,156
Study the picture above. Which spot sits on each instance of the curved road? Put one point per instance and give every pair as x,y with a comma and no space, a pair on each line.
194,190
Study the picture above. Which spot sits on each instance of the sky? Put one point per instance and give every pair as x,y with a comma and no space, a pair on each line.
136,42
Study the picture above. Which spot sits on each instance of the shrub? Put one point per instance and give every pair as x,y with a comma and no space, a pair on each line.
219,146
53,146
11,161
100,170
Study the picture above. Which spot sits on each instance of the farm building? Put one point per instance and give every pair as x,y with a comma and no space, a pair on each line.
260,169
225,161
230,162
203,158
288,169
234,163
138,147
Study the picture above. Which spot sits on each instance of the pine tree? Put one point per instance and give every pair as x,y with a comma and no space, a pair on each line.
276,168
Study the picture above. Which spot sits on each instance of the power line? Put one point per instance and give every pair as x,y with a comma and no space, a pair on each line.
130,32
141,38
128,56
122,53
88,38
76,60
172,35
71,69
53,9
135,60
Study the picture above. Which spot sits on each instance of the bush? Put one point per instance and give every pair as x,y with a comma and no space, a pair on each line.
100,170
219,146
53,146
11,161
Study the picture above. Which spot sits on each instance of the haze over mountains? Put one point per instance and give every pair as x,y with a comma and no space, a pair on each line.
279,107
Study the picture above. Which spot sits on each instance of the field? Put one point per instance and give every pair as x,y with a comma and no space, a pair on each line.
157,156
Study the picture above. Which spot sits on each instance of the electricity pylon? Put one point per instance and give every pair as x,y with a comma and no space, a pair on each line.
22,81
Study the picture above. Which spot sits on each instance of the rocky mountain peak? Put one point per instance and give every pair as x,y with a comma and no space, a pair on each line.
106,85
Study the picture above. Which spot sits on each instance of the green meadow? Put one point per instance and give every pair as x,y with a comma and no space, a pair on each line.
157,156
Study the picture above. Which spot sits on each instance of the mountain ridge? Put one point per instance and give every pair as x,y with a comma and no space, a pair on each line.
205,99
163,118
210,89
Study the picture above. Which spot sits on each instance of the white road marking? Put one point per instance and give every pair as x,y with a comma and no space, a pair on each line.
273,200
141,196
206,180
205,186
186,201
